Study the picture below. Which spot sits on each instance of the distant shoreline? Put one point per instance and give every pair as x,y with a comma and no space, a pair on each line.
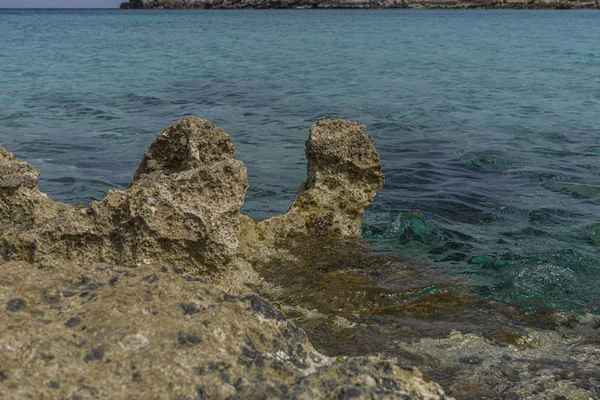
362,4
408,7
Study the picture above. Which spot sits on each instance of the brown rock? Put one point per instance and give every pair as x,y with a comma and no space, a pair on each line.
150,332
181,208
343,176
83,329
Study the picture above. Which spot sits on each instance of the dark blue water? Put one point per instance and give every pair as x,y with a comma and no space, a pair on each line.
487,122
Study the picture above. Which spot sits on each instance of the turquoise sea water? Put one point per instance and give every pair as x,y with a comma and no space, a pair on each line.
487,122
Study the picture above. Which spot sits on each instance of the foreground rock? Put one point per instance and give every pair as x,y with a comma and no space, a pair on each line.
153,332
418,4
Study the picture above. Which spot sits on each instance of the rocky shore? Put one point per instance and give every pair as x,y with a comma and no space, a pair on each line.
361,4
147,293
166,290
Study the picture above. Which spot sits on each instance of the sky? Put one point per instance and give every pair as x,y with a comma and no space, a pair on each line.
60,3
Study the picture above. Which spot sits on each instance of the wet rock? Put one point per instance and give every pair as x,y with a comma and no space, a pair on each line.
189,308
73,322
53,385
16,305
540,365
96,354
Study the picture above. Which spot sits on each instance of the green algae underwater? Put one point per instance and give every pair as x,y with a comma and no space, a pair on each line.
354,300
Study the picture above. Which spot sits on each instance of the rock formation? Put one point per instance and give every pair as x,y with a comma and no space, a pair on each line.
181,208
161,4
438,4
78,323
343,176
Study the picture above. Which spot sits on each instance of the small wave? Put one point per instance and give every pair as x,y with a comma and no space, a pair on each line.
488,160
576,191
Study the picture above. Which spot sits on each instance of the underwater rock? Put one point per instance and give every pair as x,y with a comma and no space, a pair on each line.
538,364
593,232
343,176
134,338
181,208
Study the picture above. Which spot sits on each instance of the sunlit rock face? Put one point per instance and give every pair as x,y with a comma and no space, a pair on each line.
343,176
183,204
181,208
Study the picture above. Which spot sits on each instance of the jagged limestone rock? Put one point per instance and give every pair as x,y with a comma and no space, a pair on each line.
183,205
75,327
21,204
182,208
94,331
343,176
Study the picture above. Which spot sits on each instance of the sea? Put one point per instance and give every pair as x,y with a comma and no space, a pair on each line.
487,122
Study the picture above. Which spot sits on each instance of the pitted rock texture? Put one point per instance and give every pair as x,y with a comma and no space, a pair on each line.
154,332
74,326
182,207
20,202
343,176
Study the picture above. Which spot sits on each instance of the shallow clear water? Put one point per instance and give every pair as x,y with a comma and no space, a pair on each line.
487,122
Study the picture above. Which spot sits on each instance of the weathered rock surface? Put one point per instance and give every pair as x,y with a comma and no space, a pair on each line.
343,176
183,205
76,326
181,208
185,321
353,301
438,4
83,331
